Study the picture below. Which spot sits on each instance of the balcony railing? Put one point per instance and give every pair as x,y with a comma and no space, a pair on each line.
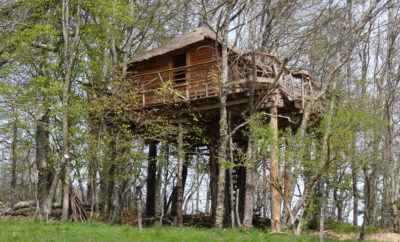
202,81
178,84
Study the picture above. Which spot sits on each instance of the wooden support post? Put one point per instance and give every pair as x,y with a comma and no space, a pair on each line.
188,76
231,186
276,196
151,180
179,181
213,165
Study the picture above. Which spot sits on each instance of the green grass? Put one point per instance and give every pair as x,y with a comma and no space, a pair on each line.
349,228
33,231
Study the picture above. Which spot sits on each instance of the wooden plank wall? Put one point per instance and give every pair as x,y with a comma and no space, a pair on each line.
201,79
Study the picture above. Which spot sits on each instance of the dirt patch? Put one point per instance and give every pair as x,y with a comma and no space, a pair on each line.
382,236
390,237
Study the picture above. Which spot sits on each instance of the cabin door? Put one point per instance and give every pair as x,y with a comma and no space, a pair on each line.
179,63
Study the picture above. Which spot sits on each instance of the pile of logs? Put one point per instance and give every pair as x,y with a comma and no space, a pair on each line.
29,209
3,208
78,210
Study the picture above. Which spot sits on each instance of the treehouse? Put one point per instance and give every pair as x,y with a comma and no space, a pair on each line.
182,78
187,70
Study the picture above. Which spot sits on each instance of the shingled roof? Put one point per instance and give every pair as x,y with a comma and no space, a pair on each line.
198,34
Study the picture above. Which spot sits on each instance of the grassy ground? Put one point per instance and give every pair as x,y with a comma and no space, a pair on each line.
33,231
349,228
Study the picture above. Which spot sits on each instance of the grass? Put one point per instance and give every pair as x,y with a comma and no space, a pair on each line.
349,228
33,231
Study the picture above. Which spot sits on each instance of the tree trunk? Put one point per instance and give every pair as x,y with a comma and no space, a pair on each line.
198,181
276,195
65,116
163,207
213,178
250,186
172,202
108,174
158,199
288,190
115,213
322,214
69,55
151,181
179,181
139,207
251,162
355,195
339,205
43,167
14,160
223,117
48,204
389,165
231,186
93,164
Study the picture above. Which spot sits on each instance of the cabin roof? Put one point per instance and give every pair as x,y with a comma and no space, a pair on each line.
197,35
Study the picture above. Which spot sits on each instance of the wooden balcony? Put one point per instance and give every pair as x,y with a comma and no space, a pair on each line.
201,81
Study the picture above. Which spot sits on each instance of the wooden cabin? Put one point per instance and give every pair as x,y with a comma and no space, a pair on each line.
186,69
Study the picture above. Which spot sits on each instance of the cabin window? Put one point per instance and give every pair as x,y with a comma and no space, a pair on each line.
180,73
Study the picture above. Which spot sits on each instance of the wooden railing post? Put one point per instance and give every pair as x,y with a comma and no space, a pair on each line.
187,90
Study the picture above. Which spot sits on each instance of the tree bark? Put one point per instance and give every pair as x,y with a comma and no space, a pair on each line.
69,56
158,200
165,151
115,213
355,194
322,214
151,180
288,190
223,117
139,207
179,181
231,186
276,195
93,164
251,157
172,202
42,163
389,165
14,160
213,167
250,187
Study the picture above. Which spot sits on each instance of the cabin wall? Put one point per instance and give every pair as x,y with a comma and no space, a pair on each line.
204,78
201,73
